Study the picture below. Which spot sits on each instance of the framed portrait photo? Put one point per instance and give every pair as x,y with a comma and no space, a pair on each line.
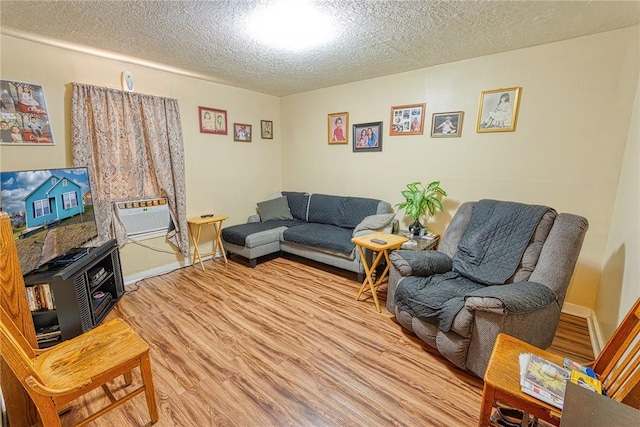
24,119
241,132
447,125
367,137
213,121
498,110
338,128
266,129
407,119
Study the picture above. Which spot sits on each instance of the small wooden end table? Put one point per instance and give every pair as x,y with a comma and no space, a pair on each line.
198,222
421,243
392,242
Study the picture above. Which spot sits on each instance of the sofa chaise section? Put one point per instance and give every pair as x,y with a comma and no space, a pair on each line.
318,227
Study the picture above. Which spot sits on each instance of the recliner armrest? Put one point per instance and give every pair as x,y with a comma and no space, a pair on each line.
519,297
420,263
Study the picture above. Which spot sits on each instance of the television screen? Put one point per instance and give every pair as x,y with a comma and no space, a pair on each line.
51,213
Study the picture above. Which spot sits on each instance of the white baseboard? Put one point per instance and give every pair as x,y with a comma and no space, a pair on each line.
597,343
592,324
576,310
163,269
157,271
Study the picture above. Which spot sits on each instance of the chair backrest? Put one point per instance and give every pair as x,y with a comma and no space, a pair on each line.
549,258
618,365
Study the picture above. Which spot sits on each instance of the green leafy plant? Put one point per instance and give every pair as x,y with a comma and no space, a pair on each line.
420,199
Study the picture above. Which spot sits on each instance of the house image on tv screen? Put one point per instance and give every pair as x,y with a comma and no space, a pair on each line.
53,200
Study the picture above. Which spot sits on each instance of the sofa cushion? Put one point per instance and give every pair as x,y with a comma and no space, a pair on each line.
340,211
298,204
321,236
237,234
274,209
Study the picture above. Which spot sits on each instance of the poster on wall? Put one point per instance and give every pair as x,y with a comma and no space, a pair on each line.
23,114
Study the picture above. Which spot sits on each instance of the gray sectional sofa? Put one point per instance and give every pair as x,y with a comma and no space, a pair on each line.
314,226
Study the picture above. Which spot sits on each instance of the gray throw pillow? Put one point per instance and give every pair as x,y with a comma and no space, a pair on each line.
374,222
273,209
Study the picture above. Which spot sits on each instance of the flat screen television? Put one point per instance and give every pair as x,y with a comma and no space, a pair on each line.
51,214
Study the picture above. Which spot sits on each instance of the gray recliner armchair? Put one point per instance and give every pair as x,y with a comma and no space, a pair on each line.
500,267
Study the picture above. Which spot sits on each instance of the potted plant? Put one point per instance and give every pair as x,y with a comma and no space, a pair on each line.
420,199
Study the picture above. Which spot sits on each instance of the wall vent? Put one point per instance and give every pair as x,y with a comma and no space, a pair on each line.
144,218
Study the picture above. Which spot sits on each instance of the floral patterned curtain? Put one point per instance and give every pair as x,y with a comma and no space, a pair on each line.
132,145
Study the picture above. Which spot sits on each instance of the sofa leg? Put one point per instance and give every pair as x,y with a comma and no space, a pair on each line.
253,262
360,277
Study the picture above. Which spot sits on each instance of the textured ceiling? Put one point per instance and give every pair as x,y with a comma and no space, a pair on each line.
207,39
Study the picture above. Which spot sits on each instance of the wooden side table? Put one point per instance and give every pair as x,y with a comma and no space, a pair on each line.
198,222
421,243
392,242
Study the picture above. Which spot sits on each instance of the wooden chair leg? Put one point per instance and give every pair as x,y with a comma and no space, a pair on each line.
47,411
128,378
149,389
488,400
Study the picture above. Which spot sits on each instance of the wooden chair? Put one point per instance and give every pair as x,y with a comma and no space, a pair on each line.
618,367
56,376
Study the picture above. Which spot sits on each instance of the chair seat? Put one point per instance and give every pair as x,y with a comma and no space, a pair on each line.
106,348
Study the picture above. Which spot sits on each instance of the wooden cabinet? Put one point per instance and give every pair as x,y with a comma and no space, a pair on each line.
71,295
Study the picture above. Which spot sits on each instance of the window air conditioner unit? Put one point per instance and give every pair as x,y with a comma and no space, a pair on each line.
144,217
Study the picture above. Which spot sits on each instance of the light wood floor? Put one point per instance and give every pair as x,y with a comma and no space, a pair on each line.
286,343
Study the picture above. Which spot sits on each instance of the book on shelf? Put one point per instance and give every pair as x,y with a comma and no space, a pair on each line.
40,297
547,381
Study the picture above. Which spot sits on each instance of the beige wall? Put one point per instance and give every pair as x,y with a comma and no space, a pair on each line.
222,176
620,284
566,153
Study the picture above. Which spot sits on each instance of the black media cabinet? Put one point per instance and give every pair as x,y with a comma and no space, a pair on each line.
72,295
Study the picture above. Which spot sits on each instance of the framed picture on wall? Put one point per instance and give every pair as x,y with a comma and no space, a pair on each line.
338,125
447,125
367,137
498,110
266,129
407,119
24,119
241,132
213,121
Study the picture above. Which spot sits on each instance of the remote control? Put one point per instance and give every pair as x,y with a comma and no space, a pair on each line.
206,216
378,241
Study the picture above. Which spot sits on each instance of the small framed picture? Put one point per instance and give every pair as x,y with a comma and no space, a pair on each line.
367,137
447,125
498,110
338,125
241,132
266,129
407,119
213,121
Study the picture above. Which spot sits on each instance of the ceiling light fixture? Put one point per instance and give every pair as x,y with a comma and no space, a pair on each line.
291,25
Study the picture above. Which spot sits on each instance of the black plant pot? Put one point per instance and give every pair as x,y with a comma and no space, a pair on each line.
415,228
